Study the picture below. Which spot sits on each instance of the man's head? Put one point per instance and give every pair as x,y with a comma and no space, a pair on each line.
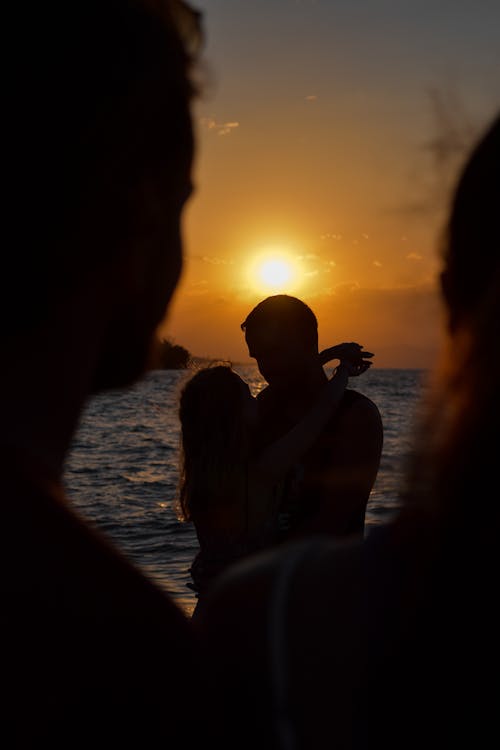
281,333
100,149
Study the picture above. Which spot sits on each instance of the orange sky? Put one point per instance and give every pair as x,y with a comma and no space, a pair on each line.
331,134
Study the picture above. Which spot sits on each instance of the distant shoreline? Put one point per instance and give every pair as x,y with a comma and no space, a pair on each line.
204,361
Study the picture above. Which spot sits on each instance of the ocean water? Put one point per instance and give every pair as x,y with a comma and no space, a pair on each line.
121,473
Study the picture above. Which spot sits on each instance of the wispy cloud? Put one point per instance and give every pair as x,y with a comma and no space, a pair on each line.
198,288
340,289
213,260
220,128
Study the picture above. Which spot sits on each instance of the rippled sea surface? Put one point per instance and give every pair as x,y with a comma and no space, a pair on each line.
122,471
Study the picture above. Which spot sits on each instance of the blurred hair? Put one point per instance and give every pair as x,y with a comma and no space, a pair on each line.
472,249
97,110
214,441
282,311
455,461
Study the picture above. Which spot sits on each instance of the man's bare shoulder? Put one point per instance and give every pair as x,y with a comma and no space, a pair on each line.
358,423
359,406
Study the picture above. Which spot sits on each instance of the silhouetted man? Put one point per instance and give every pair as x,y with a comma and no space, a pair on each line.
329,490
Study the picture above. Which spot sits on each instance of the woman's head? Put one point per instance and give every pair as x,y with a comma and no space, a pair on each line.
216,413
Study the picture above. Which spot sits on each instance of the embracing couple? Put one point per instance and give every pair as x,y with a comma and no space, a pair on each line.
300,458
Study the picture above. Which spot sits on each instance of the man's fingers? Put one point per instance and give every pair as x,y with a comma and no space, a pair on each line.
359,368
354,350
359,358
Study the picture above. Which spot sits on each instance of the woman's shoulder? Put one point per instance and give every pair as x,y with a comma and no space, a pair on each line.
288,608
318,584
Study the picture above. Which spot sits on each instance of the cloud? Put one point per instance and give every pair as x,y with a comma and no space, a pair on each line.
213,260
414,256
341,289
221,128
197,288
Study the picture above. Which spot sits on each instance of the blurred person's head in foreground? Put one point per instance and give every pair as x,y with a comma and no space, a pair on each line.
99,144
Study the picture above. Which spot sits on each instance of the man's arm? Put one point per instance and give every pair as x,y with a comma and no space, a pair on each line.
273,461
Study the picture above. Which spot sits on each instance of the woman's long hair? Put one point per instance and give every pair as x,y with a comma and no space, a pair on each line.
456,455
214,441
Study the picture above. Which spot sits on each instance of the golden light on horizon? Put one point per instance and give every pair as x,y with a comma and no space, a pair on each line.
274,271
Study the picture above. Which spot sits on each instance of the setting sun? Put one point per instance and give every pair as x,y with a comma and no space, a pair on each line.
274,272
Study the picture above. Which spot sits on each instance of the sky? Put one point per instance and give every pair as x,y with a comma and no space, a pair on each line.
329,136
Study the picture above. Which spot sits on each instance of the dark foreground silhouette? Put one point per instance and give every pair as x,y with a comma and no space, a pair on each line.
98,164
